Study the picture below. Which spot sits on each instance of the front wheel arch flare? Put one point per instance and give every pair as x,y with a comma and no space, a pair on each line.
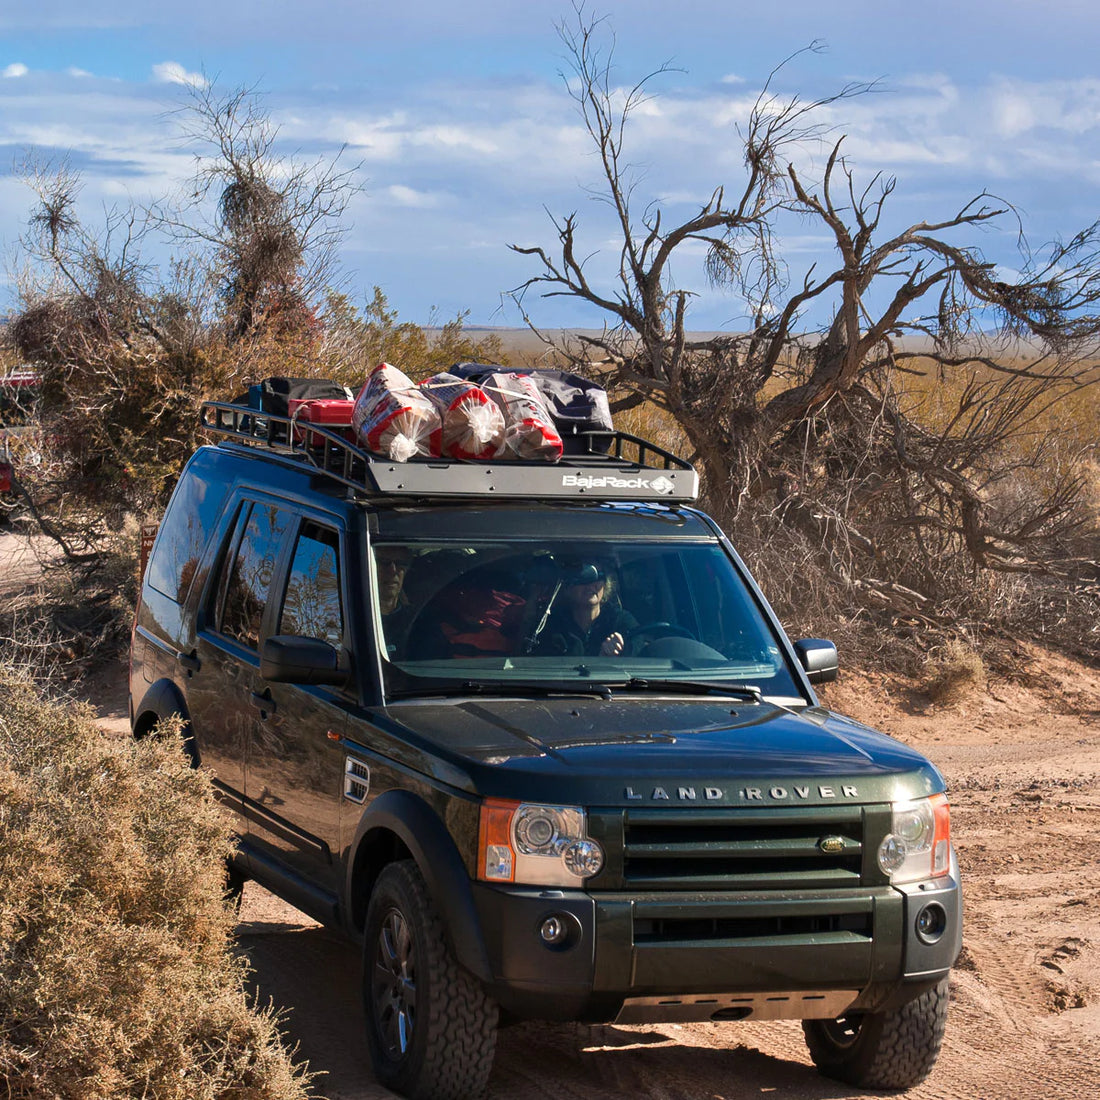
416,829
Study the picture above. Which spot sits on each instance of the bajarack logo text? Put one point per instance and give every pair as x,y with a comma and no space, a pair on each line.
660,484
795,793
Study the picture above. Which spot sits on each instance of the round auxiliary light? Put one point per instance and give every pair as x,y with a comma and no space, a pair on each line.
931,922
891,854
552,930
583,858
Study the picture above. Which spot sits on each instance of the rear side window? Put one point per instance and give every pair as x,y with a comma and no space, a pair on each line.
311,608
192,513
251,572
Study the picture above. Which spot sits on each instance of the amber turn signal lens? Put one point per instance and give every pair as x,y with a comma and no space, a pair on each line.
496,861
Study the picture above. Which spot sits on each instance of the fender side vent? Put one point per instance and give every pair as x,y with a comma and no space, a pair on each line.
356,780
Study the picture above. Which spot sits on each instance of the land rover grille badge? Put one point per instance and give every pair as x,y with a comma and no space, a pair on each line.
831,844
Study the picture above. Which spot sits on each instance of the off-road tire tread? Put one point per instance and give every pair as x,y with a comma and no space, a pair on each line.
894,1050
456,1038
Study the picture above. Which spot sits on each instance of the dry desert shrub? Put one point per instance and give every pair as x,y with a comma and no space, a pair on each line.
954,672
116,975
65,617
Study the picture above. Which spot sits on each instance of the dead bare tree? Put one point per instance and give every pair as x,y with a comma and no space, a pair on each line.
274,224
115,348
823,429
126,349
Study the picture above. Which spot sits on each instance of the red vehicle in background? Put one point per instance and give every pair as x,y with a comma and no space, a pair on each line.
19,393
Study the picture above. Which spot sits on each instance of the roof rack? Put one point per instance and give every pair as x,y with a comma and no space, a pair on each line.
615,466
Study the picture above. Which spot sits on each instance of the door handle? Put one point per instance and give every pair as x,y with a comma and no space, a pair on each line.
263,703
189,661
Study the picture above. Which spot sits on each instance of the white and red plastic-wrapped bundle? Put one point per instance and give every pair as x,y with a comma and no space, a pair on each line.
473,425
529,431
392,417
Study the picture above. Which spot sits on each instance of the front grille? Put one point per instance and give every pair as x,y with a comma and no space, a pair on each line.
801,847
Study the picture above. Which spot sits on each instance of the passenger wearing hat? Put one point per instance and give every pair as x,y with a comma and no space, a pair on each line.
585,621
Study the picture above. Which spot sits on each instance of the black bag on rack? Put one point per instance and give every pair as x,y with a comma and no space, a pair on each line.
575,404
273,395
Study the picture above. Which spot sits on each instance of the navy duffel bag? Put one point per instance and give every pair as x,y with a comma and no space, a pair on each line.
575,404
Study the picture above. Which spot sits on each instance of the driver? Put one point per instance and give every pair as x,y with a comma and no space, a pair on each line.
391,564
585,620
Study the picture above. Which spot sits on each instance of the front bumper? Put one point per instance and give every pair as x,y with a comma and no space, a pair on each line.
679,956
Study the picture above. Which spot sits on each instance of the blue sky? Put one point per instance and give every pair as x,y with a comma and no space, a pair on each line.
467,137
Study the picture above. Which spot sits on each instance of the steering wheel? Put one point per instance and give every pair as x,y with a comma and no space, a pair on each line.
660,630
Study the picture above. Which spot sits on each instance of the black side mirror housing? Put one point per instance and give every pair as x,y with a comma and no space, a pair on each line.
818,659
288,659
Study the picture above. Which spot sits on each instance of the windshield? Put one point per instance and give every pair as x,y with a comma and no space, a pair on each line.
580,614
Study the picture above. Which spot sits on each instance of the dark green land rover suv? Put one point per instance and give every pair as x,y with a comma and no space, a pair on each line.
532,735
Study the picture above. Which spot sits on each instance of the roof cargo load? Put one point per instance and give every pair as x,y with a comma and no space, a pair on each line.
576,405
614,466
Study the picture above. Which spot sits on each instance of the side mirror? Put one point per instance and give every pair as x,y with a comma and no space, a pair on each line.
818,659
288,659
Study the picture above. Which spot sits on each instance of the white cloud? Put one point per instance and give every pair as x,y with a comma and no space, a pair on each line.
1019,107
375,138
172,72
458,137
881,150
409,196
1013,114
733,78
16,69
74,71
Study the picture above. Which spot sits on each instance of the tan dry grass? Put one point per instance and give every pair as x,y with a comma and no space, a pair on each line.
953,673
116,974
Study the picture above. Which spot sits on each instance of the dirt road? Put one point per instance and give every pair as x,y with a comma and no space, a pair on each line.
1022,766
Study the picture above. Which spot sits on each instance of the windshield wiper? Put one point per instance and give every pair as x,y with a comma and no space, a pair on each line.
505,688
694,687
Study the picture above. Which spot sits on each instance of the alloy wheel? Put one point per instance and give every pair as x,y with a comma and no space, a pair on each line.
393,984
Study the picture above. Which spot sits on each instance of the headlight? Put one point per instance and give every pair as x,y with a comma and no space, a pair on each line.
918,845
535,845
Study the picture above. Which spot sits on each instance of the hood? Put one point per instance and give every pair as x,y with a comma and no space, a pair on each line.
631,750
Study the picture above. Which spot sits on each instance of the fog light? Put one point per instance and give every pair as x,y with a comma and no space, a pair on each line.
552,931
931,922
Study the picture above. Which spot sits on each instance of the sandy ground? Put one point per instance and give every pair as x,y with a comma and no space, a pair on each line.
1023,768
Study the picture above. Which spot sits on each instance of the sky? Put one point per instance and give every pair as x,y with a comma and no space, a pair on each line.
465,139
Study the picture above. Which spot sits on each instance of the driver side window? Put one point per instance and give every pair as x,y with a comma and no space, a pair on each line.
249,580
312,606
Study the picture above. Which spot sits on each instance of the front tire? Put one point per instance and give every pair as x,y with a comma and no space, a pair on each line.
882,1050
431,1028
234,887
